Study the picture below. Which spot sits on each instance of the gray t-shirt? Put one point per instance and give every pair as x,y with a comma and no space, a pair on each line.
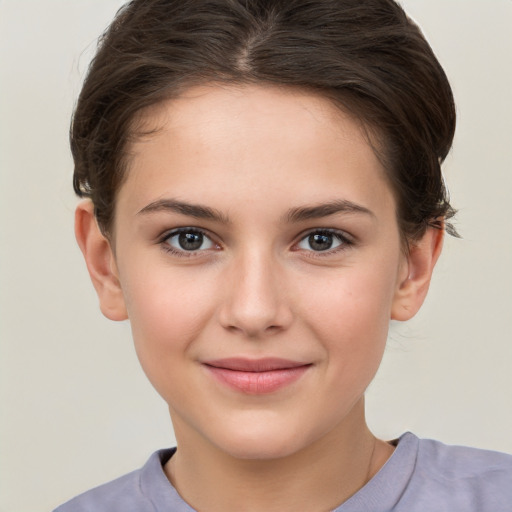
420,476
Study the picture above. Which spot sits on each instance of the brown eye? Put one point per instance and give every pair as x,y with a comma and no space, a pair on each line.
189,240
319,241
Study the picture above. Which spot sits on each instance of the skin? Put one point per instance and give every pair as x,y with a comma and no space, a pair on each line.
258,160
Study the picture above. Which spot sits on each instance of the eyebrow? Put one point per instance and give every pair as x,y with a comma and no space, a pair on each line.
326,209
192,210
293,215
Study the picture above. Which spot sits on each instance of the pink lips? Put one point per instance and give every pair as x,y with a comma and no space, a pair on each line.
256,376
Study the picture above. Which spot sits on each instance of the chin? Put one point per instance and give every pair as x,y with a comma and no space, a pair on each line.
263,449
264,441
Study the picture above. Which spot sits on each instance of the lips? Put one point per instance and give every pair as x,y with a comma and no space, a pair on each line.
256,376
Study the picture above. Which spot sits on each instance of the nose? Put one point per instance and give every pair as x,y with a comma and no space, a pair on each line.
255,300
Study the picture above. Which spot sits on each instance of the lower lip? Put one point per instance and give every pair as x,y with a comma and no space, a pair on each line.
257,383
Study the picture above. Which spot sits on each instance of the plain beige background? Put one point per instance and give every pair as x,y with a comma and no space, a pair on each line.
76,408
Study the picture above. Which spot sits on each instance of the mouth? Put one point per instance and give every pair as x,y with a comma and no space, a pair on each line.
256,376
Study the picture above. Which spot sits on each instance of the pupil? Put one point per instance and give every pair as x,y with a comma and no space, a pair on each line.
190,241
320,242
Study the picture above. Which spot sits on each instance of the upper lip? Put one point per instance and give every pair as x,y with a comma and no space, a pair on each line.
265,364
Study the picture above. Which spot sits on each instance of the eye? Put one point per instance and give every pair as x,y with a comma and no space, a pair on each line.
188,240
322,241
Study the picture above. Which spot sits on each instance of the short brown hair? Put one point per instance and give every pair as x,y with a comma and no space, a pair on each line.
366,56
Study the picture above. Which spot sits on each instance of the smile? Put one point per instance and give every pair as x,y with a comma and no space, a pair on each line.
256,376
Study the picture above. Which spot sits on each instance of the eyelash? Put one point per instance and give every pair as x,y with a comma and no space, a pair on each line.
164,242
345,242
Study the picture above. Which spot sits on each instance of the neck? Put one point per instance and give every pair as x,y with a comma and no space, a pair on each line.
319,477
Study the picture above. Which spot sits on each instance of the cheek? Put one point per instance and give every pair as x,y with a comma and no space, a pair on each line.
350,315
167,313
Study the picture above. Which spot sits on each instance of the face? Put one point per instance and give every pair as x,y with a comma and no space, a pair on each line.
258,253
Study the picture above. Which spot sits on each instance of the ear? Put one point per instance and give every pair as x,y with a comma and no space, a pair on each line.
415,274
100,261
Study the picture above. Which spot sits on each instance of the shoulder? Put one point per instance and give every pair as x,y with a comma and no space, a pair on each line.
467,478
451,463
129,493
119,494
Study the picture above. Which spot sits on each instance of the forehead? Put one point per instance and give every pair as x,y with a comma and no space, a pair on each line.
219,141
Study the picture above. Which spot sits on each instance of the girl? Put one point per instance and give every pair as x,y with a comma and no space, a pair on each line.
263,195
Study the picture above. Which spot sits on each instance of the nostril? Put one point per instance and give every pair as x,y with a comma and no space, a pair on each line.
253,331
253,303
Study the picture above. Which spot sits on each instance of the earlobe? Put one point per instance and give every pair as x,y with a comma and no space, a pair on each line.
416,273
100,262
